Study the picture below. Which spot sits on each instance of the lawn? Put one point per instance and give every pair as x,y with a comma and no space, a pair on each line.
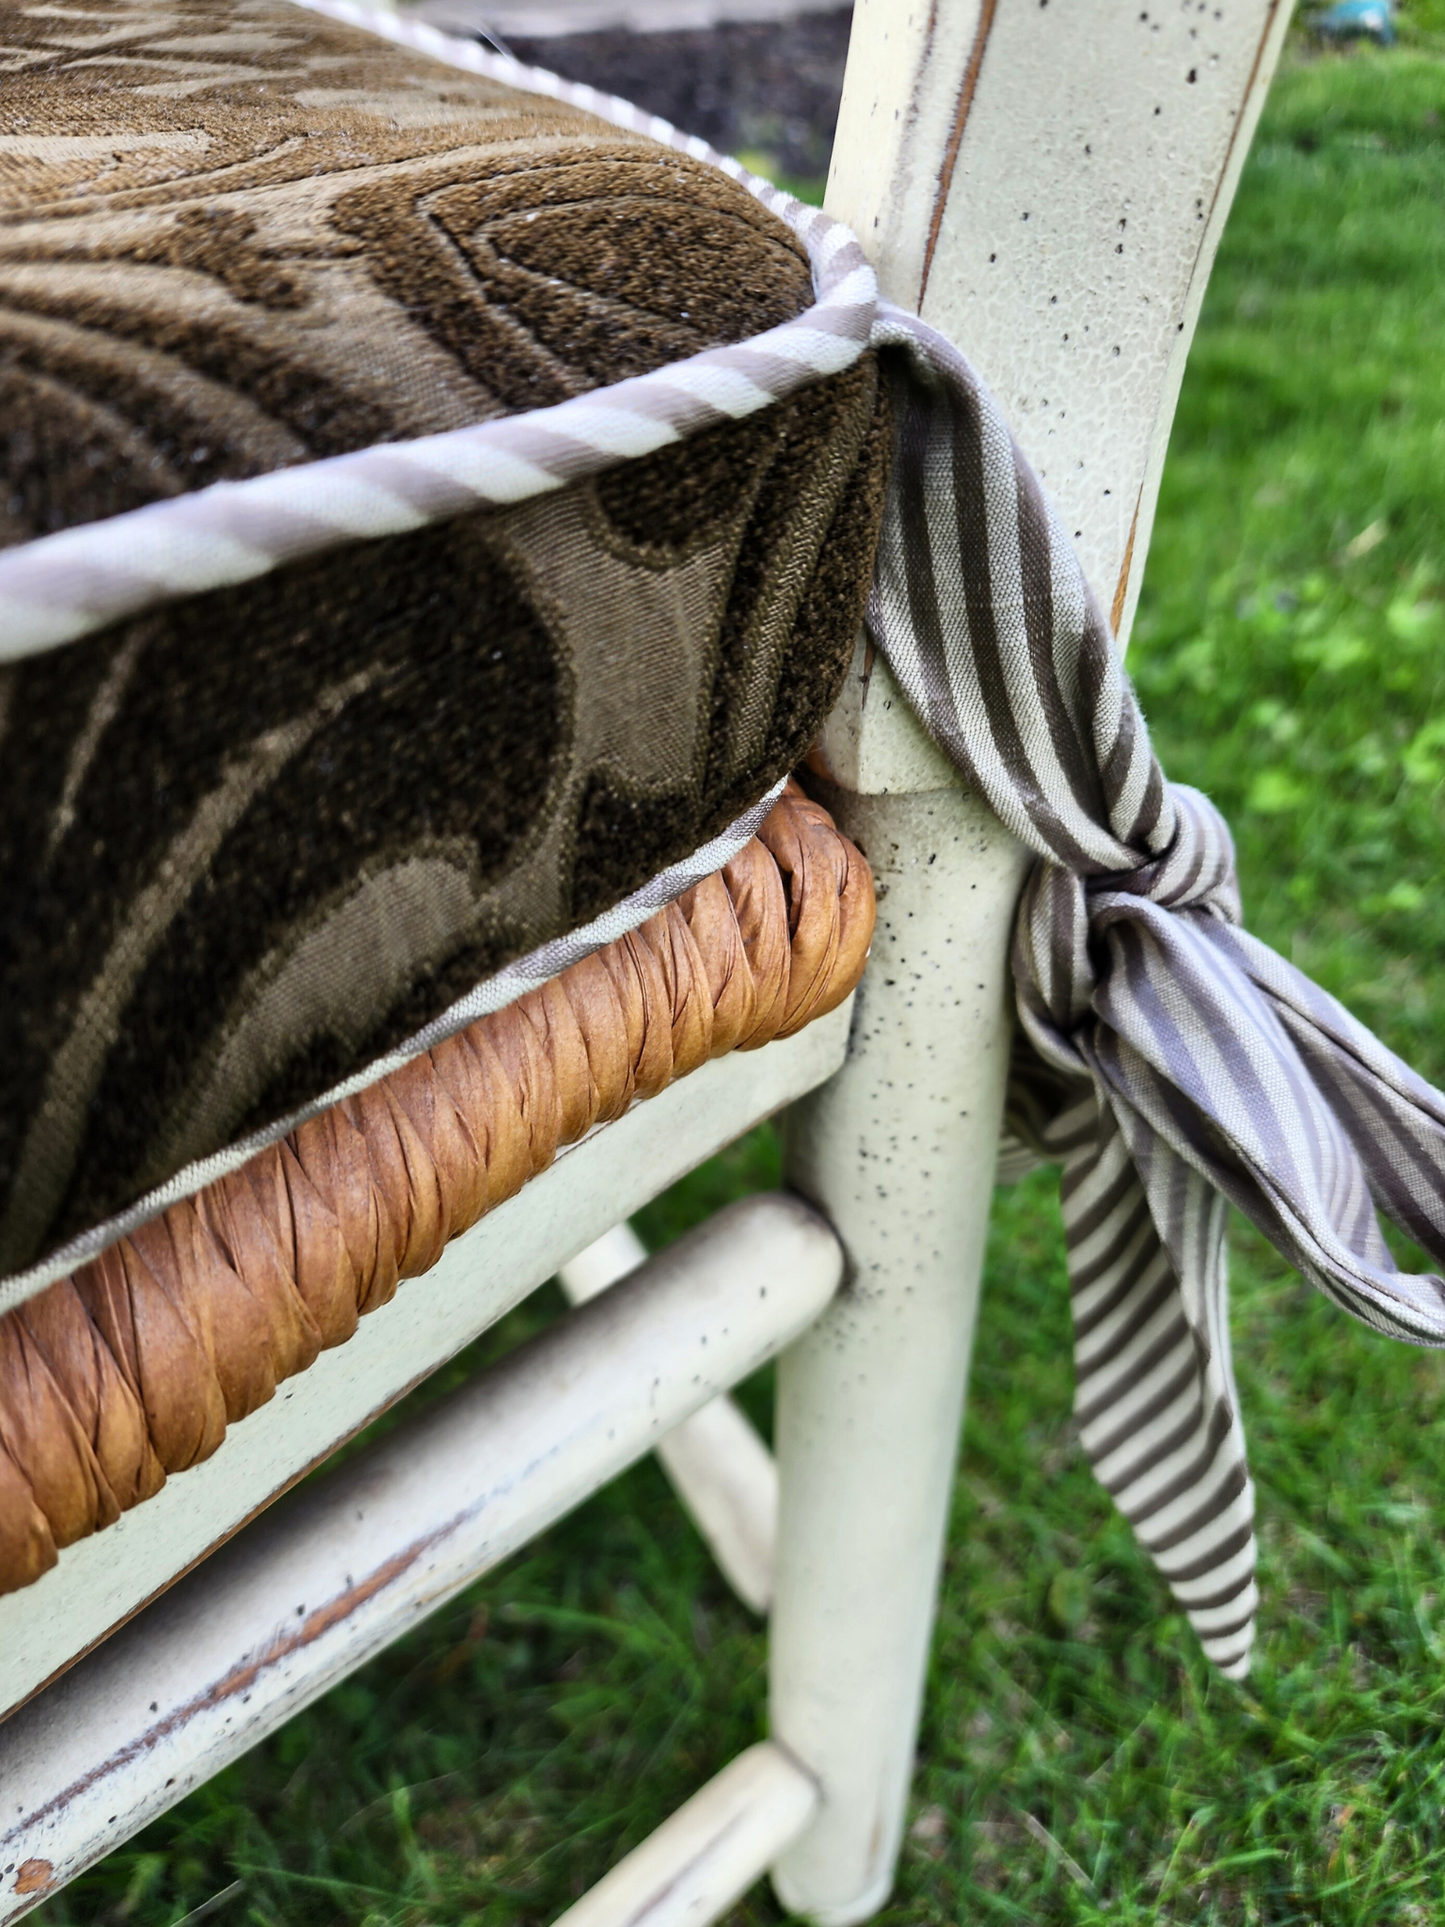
1078,1762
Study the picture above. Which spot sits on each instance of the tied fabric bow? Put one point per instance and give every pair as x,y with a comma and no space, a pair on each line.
1170,1062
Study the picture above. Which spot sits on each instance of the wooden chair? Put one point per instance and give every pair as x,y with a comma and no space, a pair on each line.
1046,182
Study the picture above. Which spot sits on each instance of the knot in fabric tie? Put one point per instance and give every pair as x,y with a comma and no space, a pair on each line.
1193,870
1172,1064
1075,931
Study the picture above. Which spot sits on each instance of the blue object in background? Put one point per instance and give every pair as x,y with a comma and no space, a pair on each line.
1357,19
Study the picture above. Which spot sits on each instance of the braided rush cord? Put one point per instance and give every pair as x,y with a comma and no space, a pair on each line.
133,1367
514,980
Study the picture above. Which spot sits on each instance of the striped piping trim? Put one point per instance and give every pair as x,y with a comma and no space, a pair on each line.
61,587
1172,1030
64,586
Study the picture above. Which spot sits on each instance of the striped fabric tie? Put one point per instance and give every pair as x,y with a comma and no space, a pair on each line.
1171,1063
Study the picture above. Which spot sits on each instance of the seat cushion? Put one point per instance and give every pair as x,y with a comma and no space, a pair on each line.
255,838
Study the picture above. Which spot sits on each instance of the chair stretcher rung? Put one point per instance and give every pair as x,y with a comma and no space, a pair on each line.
101,1581
707,1854
716,1463
311,1591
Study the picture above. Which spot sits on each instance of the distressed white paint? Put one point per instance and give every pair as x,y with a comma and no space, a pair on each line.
715,1461
1004,165
102,1580
707,1854
603,1263
728,1481
872,743
899,1150
318,1586
1073,243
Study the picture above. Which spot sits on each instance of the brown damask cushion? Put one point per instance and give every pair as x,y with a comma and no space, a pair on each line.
252,839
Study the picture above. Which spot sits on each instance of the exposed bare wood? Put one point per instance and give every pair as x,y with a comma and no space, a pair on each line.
1048,185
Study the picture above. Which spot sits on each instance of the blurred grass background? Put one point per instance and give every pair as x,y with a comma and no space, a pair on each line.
1078,1763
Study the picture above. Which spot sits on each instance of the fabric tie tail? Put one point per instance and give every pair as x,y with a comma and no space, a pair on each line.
1170,1062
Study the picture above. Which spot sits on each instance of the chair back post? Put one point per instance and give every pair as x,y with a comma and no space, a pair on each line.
1046,181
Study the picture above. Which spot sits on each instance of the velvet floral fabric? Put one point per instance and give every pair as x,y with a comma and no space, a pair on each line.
255,837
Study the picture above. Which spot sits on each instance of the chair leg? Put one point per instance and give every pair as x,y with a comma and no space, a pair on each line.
899,1151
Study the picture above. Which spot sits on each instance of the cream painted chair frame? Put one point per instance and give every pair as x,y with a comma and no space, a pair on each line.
1046,181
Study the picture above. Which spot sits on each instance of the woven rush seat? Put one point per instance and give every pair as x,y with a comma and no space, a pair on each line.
133,1368
259,839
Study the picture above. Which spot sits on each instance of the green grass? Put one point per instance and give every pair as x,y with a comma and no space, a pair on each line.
1078,1762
